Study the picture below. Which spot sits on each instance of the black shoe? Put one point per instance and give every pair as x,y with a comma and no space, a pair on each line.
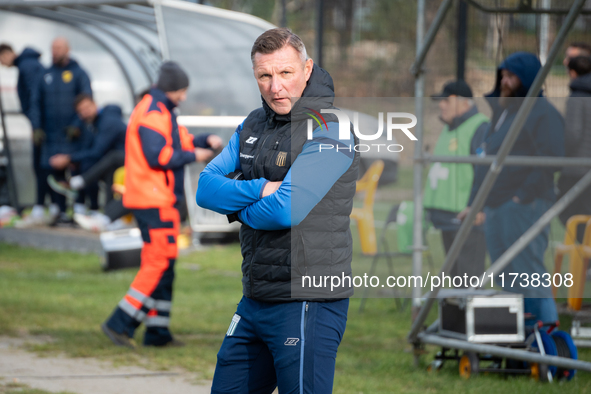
62,220
173,343
118,339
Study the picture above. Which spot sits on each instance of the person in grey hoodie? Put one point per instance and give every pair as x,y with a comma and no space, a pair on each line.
577,137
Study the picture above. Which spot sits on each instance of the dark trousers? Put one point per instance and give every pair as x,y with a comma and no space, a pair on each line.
149,298
472,256
90,191
56,198
580,206
115,209
504,225
41,175
104,170
291,346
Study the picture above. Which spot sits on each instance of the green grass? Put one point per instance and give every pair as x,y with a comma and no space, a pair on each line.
66,296
20,388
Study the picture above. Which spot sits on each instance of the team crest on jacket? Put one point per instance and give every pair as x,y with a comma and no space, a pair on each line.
453,145
281,159
67,76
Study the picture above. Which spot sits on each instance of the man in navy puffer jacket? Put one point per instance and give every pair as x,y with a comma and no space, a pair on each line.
53,109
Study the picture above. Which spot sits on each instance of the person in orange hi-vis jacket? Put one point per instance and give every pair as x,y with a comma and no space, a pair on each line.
156,151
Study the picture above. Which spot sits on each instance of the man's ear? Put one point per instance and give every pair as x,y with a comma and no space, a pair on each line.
309,65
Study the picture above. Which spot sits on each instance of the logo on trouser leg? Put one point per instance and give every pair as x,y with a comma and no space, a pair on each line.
291,341
233,325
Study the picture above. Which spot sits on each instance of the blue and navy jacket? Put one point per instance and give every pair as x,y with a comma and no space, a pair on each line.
303,228
106,133
53,108
542,135
30,72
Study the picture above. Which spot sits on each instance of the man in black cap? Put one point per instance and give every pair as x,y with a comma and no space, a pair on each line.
156,151
448,184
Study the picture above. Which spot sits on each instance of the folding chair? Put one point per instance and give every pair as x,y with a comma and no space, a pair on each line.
579,255
364,215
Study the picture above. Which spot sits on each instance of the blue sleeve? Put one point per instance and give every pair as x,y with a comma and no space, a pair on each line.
32,73
83,83
200,141
105,140
303,184
36,102
33,88
161,155
224,195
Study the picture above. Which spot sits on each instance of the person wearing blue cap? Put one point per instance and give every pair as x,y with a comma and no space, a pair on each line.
521,195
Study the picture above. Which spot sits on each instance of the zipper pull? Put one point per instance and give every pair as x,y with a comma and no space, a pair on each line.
276,145
306,307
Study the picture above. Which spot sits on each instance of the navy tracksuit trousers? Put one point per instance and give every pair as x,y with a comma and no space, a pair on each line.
292,346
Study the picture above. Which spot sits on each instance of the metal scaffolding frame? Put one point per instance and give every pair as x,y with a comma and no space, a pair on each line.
415,336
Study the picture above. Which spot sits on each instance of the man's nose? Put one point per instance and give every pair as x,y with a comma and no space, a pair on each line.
276,85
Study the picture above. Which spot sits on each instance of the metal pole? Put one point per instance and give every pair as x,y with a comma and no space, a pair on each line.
462,35
496,167
533,161
532,357
11,183
537,227
319,31
423,49
544,31
417,253
283,13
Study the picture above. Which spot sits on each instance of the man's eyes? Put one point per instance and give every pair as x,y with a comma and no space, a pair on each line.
264,76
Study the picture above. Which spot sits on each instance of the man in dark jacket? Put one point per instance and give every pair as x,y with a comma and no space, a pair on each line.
104,132
30,72
521,195
294,203
53,110
576,49
577,137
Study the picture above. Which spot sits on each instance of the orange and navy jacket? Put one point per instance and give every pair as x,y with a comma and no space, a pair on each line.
156,152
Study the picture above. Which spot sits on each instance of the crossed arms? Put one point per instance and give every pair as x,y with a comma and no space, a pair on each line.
311,176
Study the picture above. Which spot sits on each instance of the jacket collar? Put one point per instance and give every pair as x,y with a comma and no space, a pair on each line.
458,120
160,96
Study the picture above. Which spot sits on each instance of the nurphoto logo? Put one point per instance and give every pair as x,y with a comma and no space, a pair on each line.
345,129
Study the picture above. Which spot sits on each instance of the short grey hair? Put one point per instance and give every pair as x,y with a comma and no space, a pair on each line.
275,39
